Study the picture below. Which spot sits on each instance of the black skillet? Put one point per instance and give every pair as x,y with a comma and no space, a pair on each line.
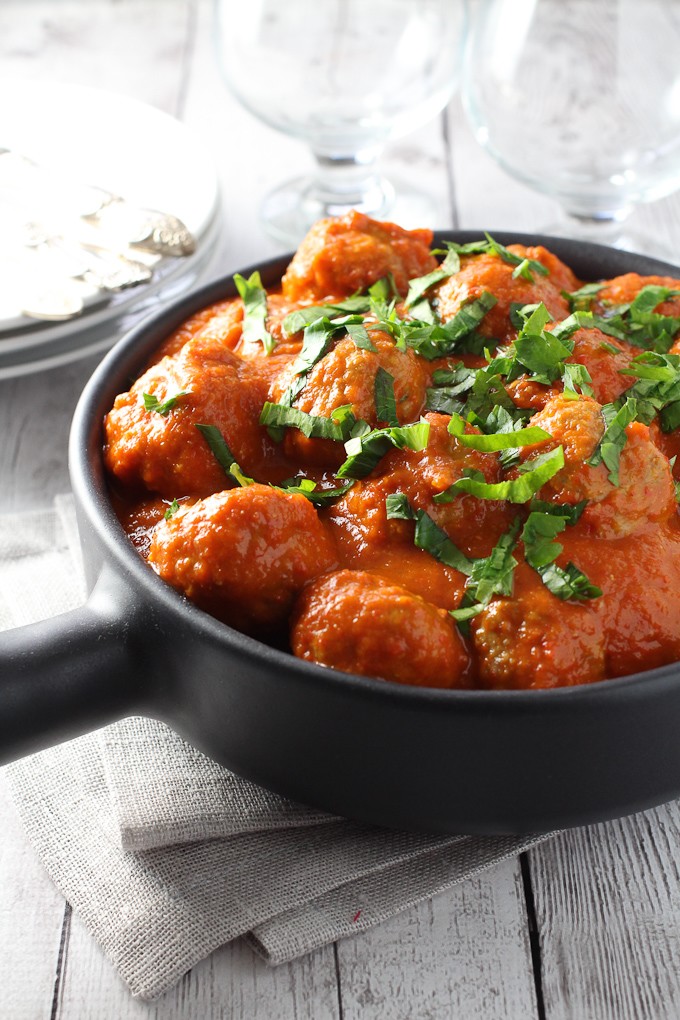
447,761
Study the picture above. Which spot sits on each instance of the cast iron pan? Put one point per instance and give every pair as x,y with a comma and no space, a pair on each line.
444,761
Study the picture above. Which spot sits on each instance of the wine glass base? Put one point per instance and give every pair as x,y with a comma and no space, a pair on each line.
290,210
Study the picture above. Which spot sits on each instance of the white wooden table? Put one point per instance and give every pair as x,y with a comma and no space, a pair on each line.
586,927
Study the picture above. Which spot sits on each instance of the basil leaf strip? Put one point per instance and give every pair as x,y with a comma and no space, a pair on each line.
499,440
254,298
385,400
223,455
608,450
533,475
308,488
172,510
365,451
152,403
421,284
398,508
337,427
568,583
301,317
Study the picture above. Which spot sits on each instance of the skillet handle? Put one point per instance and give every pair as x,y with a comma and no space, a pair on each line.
71,673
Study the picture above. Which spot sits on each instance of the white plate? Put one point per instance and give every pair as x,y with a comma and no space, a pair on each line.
132,150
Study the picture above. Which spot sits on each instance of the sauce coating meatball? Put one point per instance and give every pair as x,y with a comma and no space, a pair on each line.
347,254
524,643
480,273
166,453
243,554
645,492
357,622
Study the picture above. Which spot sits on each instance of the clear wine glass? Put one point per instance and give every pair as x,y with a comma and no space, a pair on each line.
580,99
344,76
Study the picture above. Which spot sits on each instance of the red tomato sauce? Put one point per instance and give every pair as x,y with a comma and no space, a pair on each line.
390,526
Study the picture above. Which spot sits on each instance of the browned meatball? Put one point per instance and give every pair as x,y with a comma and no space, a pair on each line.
605,358
346,375
167,453
623,289
348,254
532,640
243,554
480,273
645,492
359,623
475,525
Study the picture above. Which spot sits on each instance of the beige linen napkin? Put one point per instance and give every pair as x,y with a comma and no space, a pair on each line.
288,878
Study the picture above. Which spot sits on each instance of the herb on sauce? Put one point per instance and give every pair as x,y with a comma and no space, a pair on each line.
365,451
541,550
507,437
172,510
278,417
152,403
385,400
532,475
254,298
223,455
608,450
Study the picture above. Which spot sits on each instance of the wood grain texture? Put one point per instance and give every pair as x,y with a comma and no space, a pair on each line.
31,916
608,908
232,983
462,954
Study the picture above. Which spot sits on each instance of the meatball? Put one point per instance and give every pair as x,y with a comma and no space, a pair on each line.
474,524
224,318
346,375
645,492
479,273
166,453
348,254
605,358
534,641
359,623
623,289
243,554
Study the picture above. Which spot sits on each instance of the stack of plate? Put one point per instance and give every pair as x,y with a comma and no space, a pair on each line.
131,150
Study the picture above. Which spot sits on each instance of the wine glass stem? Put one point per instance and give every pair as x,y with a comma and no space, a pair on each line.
342,183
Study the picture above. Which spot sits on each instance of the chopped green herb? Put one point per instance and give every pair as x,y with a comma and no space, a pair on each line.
533,474
365,451
254,311
222,454
501,440
608,450
309,489
568,582
152,403
421,284
385,400
580,300
172,510
278,417
397,507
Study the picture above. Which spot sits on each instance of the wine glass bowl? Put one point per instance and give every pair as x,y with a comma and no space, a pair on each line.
580,99
344,77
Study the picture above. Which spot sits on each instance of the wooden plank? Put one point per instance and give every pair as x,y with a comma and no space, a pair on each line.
135,47
608,907
464,953
31,918
233,982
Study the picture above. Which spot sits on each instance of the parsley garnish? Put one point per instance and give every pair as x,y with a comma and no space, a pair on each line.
279,416
657,388
533,474
254,311
365,451
608,450
222,454
152,403
541,551
309,489
172,510
508,436
385,400
421,284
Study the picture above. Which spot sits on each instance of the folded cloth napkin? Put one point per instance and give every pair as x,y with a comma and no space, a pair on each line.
165,854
